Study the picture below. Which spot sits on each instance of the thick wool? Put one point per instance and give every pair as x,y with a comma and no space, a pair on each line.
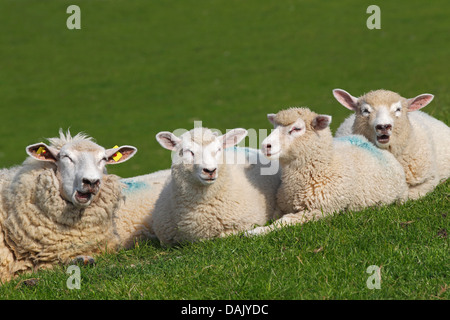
39,228
419,142
240,199
134,219
322,175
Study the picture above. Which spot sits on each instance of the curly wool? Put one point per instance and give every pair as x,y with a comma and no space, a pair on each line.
240,199
322,175
39,228
134,219
419,142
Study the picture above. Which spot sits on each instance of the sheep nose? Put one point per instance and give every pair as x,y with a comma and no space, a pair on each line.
91,182
209,172
383,127
267,146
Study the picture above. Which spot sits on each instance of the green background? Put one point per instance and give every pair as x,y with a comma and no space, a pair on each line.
143,66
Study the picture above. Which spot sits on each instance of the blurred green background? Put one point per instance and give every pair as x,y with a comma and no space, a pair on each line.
142,66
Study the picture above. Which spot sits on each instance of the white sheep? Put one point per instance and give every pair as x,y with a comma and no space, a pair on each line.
134,218
322,175
420,142
211,194
59,204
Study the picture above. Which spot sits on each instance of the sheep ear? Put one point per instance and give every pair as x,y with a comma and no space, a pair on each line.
321,122
233,137
271,118
419,102
42,152
120,154
346,99
168,140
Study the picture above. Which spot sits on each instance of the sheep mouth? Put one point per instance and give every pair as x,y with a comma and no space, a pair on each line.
383,139
83,197
269,154
208,180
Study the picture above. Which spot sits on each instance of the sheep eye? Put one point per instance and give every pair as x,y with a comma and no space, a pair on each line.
183,151
295,129
365,111
68,158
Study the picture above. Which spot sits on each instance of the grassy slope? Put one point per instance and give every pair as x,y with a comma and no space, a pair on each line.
326,259
140,67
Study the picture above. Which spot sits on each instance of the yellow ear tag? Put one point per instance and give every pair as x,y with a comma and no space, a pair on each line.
116,156
41,150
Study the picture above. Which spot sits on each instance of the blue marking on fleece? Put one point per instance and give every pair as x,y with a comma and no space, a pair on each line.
133,186
242,149
363,143
251,154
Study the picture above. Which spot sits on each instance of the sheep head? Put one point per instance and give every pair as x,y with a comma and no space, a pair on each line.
294,130
200,152
80,164
381,115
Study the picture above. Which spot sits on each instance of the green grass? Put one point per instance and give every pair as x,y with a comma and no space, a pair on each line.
140,67
320,260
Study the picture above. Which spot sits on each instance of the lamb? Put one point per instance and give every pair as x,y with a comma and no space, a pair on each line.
420,142
134,219
322,175
59,204
210,194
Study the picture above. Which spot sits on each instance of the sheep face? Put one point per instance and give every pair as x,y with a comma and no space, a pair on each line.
293,128
199,152
80,167
380,114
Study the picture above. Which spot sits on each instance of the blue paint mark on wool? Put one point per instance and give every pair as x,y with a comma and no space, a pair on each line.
363,143
251,154
134,186
242,149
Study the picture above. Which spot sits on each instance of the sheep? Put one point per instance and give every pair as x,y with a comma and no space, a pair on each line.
134,217
322,175
420,142
211,194
59,205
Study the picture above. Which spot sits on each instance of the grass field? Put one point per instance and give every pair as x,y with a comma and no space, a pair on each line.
139,67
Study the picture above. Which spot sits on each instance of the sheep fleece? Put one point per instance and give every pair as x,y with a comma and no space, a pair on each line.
39,228
240,200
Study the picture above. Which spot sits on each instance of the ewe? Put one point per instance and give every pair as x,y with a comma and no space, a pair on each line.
420,142
59,204
322,175
209,195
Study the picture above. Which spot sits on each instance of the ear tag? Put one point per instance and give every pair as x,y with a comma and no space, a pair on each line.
116,156
41,150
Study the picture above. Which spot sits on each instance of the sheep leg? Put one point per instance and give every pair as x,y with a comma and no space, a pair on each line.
83,260
420,190
286,220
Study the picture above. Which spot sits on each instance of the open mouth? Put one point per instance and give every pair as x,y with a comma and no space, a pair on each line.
384,138
83,197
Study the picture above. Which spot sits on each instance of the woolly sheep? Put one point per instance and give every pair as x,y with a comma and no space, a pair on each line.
59,204
210,194
322,175
420,142
134,218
